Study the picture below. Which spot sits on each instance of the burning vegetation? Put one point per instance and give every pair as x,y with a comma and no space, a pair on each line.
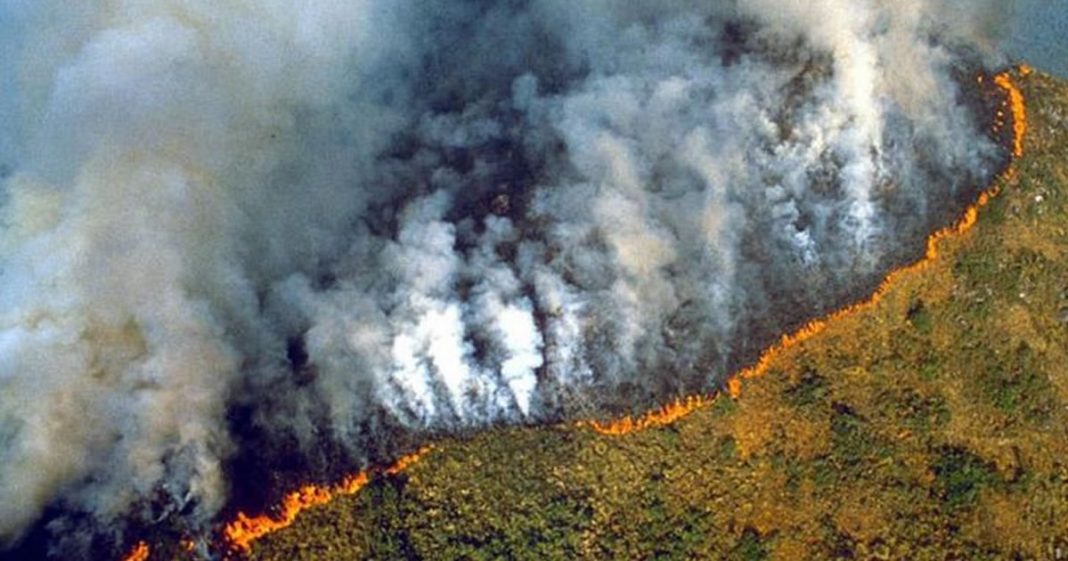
250,247
929,423
1011,110
955,470
244,529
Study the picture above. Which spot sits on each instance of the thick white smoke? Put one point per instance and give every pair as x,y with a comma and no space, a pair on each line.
352,219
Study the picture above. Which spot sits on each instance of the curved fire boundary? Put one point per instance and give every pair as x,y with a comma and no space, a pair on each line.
671,412
239,533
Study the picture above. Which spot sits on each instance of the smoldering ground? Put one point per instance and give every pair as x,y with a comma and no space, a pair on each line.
250,236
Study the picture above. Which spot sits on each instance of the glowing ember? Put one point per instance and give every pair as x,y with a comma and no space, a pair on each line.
682,407
245,529
140,552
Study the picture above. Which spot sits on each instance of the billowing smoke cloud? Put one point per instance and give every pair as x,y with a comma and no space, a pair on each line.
284,224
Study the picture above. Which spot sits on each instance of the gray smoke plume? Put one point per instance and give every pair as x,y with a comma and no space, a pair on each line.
263,227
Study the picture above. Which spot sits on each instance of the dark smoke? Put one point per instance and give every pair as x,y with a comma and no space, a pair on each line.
248,235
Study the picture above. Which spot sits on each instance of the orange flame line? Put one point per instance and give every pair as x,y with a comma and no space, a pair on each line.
681,407
1016,104
139,552
245,529
661,416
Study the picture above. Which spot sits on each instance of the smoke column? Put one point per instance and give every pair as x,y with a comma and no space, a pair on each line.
320,229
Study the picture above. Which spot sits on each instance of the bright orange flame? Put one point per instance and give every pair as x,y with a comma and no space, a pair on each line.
682,407
665,415
139,552
245,529
1016,104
